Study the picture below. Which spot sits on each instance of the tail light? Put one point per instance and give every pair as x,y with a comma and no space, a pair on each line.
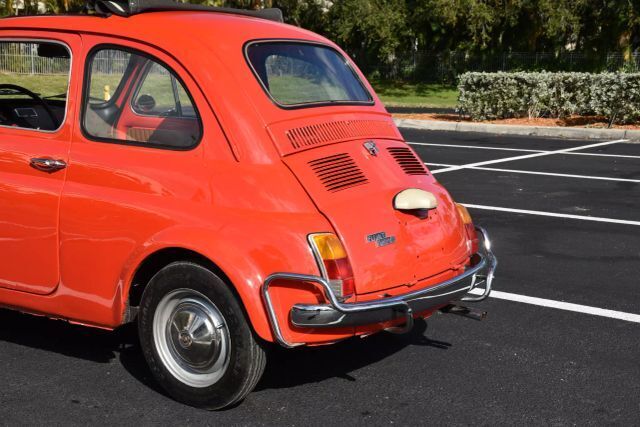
469,227
334,263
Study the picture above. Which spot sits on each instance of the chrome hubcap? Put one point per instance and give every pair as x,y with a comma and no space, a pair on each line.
191,338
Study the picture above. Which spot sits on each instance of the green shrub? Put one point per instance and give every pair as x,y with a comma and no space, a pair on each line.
615,96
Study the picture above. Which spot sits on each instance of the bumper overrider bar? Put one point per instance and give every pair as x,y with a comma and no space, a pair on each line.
338,314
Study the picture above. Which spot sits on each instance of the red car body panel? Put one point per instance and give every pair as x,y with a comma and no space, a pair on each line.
244,198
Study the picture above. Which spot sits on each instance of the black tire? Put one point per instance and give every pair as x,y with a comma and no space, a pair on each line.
244,357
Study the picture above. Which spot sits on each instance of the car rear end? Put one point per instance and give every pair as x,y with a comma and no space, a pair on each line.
398,246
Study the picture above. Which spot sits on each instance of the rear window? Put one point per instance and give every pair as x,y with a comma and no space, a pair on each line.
298,74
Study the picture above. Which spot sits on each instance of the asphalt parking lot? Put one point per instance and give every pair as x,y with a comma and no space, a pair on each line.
561,344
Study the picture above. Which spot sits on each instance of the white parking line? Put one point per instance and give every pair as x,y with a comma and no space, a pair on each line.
528,156
622,156
561,305
553,214
522,150
563,175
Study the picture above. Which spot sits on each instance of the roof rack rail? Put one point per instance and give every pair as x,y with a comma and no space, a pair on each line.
133,7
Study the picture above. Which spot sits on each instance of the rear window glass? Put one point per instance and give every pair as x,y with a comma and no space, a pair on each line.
304,74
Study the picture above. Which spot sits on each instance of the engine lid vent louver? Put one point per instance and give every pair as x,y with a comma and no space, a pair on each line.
338,172
328,132
407,161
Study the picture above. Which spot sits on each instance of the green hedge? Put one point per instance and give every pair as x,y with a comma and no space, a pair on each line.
615,96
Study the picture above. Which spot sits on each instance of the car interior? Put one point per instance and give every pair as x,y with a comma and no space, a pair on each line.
132,98
136,99
33,85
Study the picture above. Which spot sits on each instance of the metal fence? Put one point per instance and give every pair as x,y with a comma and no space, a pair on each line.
111,62
446,66
22,58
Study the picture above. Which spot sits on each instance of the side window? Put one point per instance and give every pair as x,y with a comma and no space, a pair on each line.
133,98
34,82
108,69
161,94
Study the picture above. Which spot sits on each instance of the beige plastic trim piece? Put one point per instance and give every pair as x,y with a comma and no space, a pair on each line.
414,198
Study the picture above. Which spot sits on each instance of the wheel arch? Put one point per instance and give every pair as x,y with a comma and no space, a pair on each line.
159,259
155,260
243,256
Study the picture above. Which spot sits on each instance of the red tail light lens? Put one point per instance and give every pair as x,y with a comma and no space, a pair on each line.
334,263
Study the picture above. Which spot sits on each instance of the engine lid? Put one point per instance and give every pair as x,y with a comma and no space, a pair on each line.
354,184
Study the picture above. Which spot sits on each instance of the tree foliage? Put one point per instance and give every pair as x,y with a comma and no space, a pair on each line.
373,31
380,31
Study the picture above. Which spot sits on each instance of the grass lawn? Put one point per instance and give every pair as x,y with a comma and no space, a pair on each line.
391,93
50,85
42,85
401,94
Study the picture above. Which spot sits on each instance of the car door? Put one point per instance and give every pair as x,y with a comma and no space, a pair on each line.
37,97
128,180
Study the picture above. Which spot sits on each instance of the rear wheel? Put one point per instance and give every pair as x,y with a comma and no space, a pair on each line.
196,338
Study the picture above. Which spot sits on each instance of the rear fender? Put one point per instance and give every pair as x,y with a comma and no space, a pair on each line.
246,256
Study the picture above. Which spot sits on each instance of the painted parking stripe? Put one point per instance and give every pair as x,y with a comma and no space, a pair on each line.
429,144
528,156
561,305
562,175
622,156
552,214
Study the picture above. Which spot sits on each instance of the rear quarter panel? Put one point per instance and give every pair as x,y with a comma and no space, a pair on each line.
122,203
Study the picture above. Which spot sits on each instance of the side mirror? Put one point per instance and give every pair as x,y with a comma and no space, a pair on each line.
53,50
145,103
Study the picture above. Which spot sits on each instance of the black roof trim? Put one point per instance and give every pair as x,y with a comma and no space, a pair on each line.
134,7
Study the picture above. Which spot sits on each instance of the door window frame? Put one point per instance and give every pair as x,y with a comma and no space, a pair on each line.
66,104
86,91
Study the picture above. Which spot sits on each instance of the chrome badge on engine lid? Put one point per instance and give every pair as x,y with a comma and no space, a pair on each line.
381,239
371,147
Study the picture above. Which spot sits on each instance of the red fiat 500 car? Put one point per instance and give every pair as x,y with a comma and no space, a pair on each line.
221,178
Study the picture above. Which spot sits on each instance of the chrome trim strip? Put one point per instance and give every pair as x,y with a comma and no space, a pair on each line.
399,302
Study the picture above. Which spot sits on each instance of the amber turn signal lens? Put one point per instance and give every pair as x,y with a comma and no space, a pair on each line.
329,246
468,225
335,264
464,214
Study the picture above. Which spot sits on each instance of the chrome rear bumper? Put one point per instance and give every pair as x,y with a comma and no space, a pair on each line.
337,314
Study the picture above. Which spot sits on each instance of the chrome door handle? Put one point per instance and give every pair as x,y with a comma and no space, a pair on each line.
48,165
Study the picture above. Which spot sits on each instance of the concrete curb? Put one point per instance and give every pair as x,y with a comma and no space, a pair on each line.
547,131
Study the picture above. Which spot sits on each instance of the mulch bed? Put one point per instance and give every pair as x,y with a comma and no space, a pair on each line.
573,121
